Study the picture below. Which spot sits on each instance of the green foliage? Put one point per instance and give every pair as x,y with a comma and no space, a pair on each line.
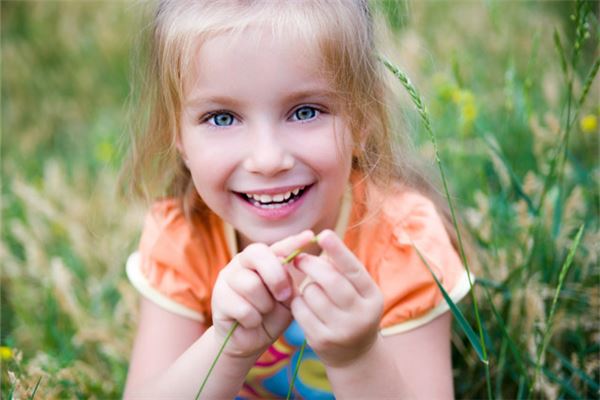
512,94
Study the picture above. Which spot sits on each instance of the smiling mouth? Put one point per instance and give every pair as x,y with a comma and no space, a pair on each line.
272,201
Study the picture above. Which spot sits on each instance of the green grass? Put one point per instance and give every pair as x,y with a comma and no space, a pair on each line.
504,86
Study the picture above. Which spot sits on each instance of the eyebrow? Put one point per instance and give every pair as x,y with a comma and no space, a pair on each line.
310,93
212,100
327,94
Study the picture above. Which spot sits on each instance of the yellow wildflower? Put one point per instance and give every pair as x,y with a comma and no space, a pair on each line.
6,353
589,123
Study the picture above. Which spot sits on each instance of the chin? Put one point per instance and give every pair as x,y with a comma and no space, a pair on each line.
269,236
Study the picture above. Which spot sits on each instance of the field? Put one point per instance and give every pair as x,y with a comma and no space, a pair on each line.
509,89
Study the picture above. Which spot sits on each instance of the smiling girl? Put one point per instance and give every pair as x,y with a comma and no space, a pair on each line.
267,124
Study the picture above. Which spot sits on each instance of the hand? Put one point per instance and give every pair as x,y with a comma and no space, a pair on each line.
340,309
250,290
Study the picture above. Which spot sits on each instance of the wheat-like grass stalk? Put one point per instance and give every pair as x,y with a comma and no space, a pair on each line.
546,336
417,101
558,161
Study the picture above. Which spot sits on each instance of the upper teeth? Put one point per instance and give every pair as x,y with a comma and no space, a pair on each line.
279,197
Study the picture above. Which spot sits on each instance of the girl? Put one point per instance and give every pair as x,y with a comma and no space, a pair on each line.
274,115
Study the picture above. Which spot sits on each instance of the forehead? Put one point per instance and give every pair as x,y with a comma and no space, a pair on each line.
258,58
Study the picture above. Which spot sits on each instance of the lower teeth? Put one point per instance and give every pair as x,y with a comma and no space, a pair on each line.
272,205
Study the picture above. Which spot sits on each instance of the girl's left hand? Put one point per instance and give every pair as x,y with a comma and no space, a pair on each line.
340,309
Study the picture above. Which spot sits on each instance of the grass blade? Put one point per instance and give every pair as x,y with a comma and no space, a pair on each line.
564,384
37,385
580,373
416,98
561,51
511,173
510,342
212,366
588,81
296,369
460,318
546,337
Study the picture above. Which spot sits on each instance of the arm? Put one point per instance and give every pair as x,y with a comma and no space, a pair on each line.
172,354
417,364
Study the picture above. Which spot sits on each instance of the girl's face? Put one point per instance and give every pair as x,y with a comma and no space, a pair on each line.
263,136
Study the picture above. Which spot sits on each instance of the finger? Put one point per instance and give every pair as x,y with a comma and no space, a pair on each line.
260,258
250,286
311,325
336,286
318,302
289,245
237,308
277,321
346,262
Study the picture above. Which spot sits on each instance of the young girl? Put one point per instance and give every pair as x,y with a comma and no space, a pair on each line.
268,125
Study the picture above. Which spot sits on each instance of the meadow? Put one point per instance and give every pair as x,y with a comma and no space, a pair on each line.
509,90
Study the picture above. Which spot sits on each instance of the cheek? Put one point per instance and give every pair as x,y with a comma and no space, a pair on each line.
328,147
206,167
340,150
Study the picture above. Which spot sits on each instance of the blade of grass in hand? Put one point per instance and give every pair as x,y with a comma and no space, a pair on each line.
286,260
296,368
212,366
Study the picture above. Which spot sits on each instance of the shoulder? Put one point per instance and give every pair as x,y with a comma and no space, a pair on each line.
401,216
165,228
178,261
409,244
413,217
189,247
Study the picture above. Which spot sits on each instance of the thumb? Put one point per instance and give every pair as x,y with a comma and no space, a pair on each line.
285,247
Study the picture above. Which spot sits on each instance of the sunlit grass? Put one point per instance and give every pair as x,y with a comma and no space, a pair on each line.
519,147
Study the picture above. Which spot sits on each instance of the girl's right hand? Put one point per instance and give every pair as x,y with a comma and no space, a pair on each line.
252,290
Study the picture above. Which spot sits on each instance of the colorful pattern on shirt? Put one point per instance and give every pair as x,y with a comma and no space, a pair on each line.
272,374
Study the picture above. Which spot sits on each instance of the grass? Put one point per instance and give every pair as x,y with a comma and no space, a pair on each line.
511,99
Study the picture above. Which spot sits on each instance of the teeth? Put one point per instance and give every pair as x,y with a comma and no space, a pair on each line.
277,198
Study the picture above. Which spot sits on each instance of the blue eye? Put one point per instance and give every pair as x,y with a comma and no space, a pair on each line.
221,119
305,113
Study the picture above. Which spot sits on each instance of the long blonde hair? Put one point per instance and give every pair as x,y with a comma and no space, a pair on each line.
342,30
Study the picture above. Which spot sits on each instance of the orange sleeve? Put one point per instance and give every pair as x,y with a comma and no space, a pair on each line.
411,296
170,268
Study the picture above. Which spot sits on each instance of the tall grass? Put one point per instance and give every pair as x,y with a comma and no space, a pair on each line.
514,109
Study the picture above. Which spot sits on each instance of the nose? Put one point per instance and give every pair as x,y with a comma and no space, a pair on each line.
267,152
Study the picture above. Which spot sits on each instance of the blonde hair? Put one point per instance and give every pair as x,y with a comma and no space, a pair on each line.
343,33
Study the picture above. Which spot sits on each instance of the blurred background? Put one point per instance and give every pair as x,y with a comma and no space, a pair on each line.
515,112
